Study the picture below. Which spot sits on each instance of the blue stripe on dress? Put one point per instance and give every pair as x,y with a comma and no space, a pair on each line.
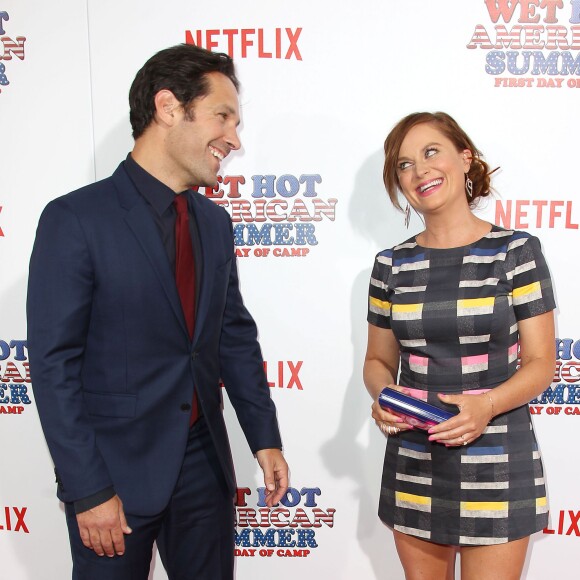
499,450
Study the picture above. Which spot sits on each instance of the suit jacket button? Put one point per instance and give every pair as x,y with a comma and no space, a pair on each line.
193,355
185,407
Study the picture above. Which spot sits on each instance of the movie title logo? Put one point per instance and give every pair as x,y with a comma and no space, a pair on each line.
563,395
531,43
276,43
14,377
287,530
524,214
9,48
273,216
12,519
567,523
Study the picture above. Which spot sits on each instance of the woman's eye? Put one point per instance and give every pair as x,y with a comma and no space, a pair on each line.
430,152
404,165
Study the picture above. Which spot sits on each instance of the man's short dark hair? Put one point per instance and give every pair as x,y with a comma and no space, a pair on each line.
181,69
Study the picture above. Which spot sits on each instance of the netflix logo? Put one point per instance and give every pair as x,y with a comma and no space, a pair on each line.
277,43
523,214
284,374
568,524
12,519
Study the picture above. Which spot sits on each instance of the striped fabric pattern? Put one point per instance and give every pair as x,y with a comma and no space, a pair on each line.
455,314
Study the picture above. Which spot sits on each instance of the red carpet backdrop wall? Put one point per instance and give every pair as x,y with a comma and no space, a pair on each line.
322,84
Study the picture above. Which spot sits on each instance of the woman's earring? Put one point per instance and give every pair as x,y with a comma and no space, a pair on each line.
468,186
407,215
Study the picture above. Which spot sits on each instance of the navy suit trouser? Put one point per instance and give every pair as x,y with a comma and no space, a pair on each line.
194,534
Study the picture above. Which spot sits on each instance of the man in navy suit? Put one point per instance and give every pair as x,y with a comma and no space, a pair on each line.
126,384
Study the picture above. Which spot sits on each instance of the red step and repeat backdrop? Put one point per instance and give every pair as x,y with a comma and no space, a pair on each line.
322,86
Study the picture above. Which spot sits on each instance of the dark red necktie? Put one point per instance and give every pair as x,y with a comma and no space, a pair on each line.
185,274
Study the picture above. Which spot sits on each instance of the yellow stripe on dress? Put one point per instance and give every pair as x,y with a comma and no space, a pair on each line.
407,311
421,503
527,293
541,505
381,304
484,505
380,307
474,302
484,509
475,306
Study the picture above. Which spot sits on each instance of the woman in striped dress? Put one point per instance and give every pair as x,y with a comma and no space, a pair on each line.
450,312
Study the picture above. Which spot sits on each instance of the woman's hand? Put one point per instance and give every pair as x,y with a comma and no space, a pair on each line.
475,412
387,421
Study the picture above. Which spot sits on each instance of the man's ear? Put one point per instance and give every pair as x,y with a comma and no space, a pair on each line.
166,106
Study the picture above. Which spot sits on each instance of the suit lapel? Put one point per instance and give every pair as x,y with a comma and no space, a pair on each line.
138,218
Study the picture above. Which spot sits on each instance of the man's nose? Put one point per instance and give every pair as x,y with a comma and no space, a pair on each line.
233,139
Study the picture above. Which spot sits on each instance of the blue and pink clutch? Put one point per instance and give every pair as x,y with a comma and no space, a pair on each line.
413,411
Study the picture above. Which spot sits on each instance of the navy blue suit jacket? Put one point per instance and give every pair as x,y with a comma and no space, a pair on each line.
110,357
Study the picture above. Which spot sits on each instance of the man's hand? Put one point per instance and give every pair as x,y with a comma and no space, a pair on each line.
102,528
275,471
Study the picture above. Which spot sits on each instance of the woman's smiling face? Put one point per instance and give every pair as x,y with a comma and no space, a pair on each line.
431,171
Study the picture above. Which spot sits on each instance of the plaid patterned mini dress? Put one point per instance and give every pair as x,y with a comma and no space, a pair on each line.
455,315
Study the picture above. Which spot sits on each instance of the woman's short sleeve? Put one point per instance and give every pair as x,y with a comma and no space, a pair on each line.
532,291
379,308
